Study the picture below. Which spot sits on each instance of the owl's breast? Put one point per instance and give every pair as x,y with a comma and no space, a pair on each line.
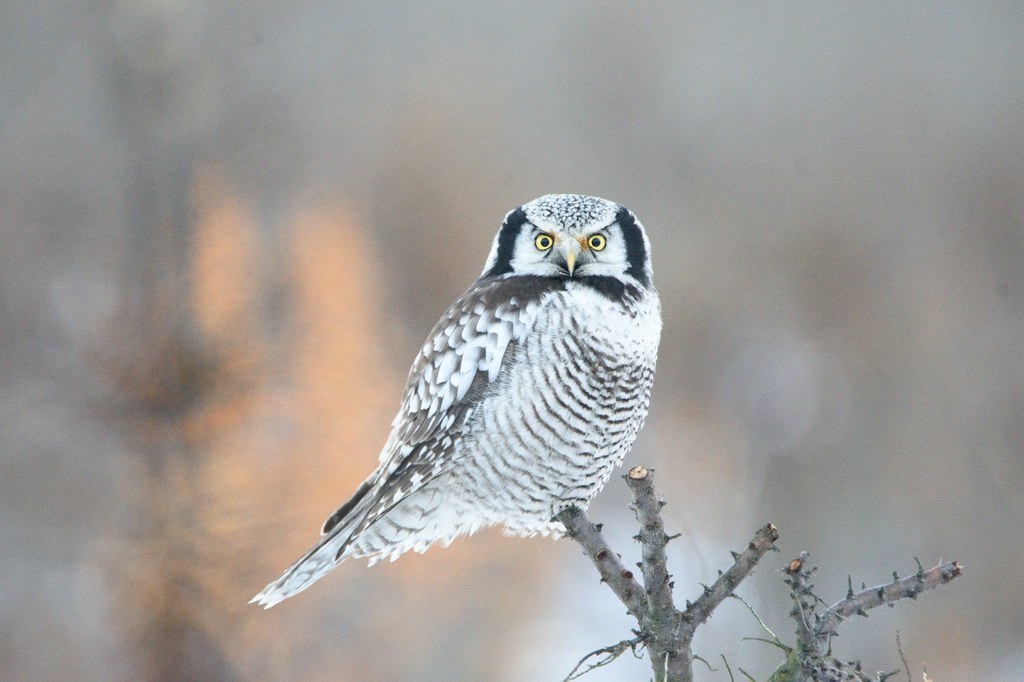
579,379
565,409
620,332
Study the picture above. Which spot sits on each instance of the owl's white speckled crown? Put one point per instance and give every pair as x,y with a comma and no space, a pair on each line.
569,211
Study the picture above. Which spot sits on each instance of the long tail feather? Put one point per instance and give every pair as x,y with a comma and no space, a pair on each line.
315,564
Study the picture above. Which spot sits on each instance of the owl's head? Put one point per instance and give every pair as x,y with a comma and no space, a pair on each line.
572,236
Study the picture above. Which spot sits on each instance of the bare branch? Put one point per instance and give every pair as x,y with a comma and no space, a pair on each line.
903,657
666,632
774,641
813,659
901,588
608,563
667,646
654,562
701,609
803,607
610,653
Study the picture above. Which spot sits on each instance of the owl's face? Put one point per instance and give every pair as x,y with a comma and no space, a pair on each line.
571,236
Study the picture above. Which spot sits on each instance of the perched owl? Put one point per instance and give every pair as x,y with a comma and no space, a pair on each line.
526,395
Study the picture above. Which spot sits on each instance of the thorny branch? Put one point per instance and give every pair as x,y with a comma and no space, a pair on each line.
609,654
700,610
667,633
813,659
899,588
609,564
653,539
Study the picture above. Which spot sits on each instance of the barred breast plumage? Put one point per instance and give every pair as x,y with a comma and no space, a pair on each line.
527,394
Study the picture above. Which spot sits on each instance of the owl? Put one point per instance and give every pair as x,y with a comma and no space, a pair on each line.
526,395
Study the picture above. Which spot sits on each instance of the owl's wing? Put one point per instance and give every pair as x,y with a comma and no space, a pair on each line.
465,350
463,356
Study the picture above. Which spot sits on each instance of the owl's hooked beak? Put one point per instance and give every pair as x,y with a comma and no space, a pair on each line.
570,258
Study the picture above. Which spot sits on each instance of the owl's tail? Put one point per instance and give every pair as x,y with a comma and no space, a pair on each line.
332,549
315,564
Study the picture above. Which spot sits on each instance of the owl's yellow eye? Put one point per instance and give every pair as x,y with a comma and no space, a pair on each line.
543,242
597,242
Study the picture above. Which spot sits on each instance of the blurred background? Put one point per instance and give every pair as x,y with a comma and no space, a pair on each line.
225,229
